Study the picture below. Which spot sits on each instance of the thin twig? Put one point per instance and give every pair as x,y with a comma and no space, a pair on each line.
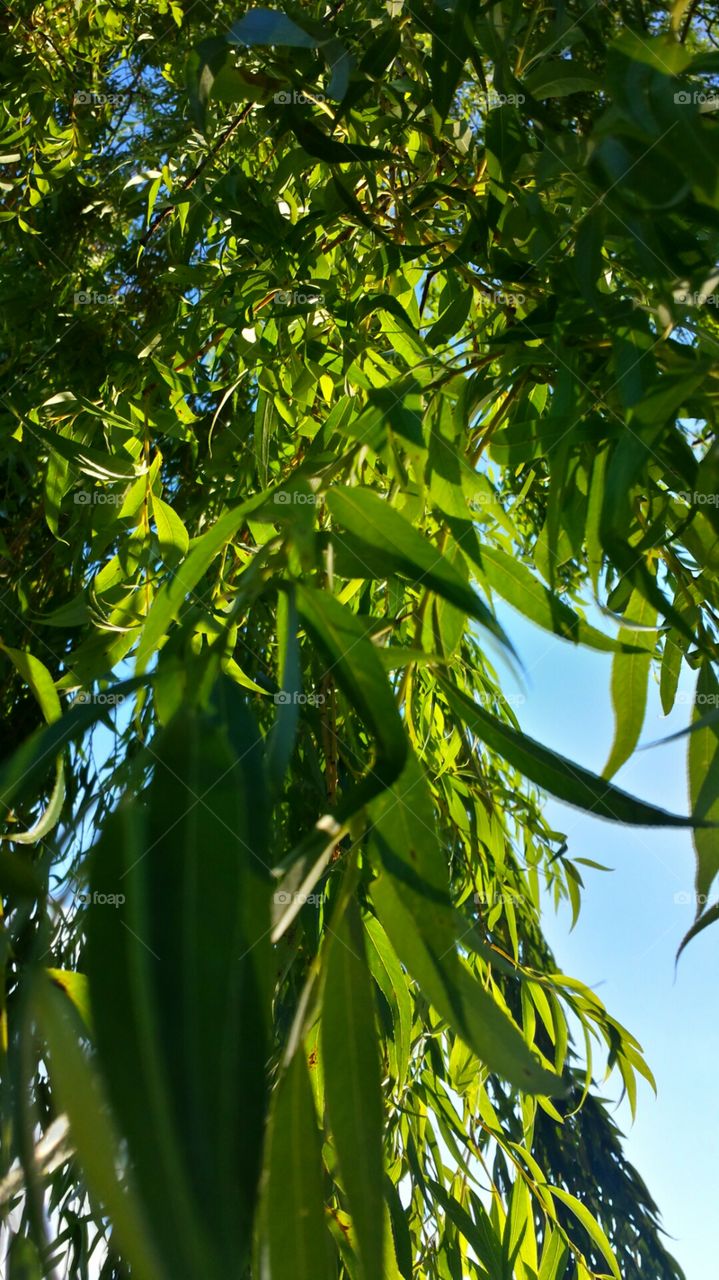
225,137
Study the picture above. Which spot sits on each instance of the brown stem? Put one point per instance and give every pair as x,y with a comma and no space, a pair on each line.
224,137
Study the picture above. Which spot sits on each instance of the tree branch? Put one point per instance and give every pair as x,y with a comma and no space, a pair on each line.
225,137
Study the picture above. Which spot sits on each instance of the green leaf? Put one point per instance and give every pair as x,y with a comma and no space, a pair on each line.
389,976
591,1226
479,1235
293,1236
381,52
28,765
323,147
171,597
630,678
205,64
704,781
412,901
450,49
96,463
675,647
37,676
171,532
404,836
178,937
80,1094
557,79
357,668
710,916
23,1260
394,542
76,989
510,579
458,997
352,1084
281,739
555,1253
560,777
17,877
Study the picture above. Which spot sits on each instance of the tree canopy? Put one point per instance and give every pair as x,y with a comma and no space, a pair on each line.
325,328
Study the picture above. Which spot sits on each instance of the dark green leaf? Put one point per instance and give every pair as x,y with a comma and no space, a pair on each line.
560,777
179,939
293,1240
704,781
352,1084
390,536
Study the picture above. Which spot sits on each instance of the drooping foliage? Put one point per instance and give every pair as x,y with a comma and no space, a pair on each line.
325,328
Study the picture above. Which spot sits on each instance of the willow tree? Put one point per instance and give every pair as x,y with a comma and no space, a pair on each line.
324,328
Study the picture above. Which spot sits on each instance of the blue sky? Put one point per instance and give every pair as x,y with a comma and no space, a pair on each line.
630,926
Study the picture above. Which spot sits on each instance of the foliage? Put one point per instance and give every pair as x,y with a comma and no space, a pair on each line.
324,329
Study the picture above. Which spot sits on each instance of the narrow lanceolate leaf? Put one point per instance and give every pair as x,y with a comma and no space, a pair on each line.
352,1085
412,901
560,777
27,766
511,580
392,981
282,737
171,532
405,837
710,916
81,1095
393,542
591,1226
459,998
36,675
179,940
704,781
675,647
630,677
353,662
169,601
95,463
293,1243
75,988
